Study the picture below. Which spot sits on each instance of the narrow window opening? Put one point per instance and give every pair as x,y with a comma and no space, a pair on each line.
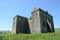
36,13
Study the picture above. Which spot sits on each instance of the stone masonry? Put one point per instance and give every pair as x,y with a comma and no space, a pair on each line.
39,22
20,25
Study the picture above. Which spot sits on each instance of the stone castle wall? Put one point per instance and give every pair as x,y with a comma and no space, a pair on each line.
39,22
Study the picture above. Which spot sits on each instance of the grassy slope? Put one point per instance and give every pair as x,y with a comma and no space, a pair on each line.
57,30
43,36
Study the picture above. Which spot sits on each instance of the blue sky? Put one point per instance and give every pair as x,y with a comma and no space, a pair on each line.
11,8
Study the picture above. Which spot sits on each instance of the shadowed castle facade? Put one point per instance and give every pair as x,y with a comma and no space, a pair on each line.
39,22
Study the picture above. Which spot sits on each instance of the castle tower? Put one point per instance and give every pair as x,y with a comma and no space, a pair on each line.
40,21
20,25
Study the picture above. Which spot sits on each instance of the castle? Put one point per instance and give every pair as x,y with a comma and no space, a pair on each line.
39,22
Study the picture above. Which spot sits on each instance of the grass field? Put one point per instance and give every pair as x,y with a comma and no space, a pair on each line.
43,36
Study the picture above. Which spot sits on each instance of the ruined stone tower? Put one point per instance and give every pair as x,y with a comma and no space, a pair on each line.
20,25
39,22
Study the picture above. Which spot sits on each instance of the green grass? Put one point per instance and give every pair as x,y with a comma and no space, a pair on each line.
43,36
57,30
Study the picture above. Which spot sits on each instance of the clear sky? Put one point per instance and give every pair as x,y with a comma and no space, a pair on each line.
11,8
